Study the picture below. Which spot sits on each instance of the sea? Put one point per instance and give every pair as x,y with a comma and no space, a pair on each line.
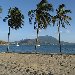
46,49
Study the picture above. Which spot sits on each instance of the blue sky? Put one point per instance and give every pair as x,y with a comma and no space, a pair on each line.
27,30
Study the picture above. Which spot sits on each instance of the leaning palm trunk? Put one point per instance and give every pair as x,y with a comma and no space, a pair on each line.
59,36
8,40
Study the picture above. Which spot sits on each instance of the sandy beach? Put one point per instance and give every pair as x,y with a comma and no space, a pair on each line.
36,64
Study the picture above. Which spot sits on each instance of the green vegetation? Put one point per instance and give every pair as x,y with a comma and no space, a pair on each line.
2,42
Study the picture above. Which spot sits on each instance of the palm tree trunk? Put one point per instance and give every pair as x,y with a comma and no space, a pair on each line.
59,36
8,40
37,38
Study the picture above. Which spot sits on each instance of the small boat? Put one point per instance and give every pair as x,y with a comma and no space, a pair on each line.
17,44
38,45
53,44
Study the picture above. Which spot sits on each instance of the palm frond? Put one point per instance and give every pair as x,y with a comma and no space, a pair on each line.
61,6
44,6
67,17
54,20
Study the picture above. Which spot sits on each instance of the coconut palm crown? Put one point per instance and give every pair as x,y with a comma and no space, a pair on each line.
15,18
61,15
41,15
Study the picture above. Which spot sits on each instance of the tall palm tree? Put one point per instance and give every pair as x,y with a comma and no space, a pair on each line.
61,18
41,15
15,20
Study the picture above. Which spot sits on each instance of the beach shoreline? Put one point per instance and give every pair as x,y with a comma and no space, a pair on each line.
28,64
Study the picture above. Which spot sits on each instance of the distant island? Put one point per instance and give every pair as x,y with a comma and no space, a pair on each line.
42,40
3,42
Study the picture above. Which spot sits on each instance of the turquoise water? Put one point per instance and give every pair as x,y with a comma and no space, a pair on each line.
41,49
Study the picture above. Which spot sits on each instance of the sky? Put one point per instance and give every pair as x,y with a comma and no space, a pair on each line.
27,31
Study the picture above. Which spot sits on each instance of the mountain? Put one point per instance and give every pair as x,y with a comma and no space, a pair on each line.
44,40
47,40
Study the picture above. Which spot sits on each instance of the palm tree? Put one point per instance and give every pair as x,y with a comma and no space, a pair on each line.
61,18
41,15
15,20
0,9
